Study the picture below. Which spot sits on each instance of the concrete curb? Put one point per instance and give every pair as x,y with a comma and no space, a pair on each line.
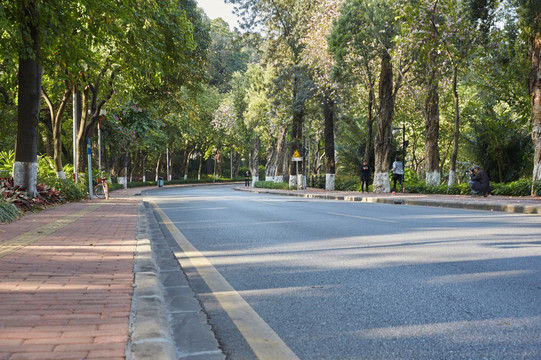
398,200
150,331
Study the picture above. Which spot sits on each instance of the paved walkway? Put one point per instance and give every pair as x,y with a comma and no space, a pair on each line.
68,293
68,283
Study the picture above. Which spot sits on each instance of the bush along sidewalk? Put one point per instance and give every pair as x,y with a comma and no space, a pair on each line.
51,191
8,212
521,187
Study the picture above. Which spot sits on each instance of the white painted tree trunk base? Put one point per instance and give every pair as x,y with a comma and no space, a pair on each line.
301,182
269,178
25,174
279,179
292,181
433,178
330,180
61,175
536,172
452,178
144,178
185,177
122,180
381,183
254,180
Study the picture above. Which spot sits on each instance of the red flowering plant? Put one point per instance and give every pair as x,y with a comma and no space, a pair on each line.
19,197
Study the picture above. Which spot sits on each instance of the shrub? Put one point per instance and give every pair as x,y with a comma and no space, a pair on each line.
522,187
8,212
537,188
349,183
271,185
17,196
69,190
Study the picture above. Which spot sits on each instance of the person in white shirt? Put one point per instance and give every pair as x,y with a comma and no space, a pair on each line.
398,174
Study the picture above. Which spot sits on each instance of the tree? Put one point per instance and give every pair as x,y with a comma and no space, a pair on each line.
530,16
284,24
364,32
421,20
30,72
321,62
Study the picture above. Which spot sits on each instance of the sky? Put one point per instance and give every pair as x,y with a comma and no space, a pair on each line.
218,8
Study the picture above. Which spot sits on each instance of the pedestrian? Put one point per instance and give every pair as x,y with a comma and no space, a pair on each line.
398,174
365,175
247,178
479,182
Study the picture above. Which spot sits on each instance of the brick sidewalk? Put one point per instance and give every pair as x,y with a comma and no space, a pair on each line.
67,276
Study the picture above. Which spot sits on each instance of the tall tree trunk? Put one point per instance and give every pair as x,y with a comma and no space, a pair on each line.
254,166
281,153
56,121
187,167
432,128
236,164
47,136
30,71
296,133
369,125
382,144
185,162
456,135
330,166
200,166
219,161
158,166
90,111
535,97
144,164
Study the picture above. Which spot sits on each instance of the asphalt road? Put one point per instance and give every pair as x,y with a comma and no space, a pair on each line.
286,278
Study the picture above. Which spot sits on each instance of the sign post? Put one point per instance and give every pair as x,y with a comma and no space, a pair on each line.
297,158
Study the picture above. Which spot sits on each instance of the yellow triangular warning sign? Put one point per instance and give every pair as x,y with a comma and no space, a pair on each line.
296,154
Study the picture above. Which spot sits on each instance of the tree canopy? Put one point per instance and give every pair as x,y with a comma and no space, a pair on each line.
335,81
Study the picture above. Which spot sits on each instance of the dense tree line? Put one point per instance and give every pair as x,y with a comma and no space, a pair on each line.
334,81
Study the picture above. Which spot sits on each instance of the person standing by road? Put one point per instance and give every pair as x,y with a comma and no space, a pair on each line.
398,174
365,175
479,182
247,178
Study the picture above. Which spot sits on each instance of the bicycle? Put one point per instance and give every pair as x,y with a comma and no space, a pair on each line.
101,190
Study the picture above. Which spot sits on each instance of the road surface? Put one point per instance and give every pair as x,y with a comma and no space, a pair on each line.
287,278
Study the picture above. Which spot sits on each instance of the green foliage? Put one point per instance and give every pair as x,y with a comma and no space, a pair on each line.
537,188
8,212
7,158
271,185
70,190
347,183
522,187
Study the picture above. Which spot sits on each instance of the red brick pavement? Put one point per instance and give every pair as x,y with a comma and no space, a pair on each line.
67,295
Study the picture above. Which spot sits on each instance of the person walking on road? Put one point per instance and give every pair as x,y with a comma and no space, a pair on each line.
247,178
365,175
479,182
398,174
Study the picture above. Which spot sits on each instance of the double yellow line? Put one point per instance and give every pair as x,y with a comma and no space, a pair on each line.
263,341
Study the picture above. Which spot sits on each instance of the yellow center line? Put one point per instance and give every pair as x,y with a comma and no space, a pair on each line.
362,217
32,236
263,341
